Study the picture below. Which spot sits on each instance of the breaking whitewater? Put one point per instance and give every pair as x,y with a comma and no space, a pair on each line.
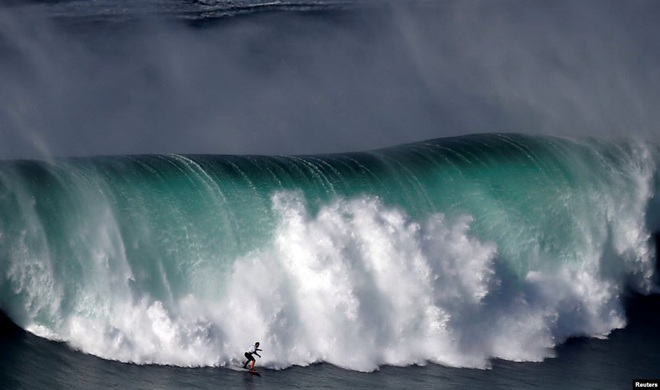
454,251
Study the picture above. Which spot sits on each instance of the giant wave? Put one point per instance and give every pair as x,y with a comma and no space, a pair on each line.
452,251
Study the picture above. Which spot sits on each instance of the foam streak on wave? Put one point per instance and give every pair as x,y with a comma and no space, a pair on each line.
452,251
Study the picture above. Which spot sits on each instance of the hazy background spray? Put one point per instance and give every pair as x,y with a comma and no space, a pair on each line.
80,78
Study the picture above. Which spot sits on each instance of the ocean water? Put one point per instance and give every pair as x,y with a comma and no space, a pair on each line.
134,254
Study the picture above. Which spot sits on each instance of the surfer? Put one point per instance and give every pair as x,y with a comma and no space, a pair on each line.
253,351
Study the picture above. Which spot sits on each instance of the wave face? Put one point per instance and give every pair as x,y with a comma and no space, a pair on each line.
453,251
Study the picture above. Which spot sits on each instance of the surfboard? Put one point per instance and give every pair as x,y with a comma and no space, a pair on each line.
254,372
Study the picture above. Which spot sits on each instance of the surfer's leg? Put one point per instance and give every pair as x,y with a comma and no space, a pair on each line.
253,361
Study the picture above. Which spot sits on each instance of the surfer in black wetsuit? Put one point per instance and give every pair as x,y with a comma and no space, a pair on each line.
253,351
